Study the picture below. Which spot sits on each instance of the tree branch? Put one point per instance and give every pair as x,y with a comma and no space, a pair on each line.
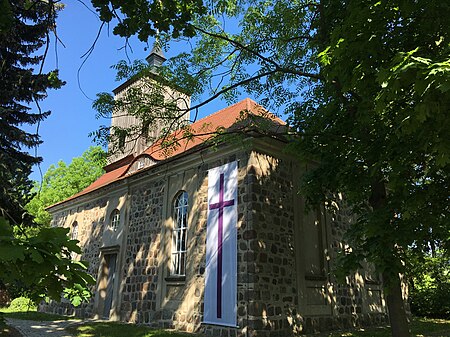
277,66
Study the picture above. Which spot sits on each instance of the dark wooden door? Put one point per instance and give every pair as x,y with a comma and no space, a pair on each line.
110,264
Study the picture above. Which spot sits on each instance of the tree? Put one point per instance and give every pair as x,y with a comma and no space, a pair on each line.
24,28
366,85
38,264
63,181
381,134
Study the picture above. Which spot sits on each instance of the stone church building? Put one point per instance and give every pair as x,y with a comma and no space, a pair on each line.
142,227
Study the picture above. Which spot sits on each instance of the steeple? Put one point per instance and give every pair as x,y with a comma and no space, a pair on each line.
152,87
156,57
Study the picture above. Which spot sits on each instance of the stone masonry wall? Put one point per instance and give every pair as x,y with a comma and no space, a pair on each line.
90,218
268,279
140,268
352,302
268,306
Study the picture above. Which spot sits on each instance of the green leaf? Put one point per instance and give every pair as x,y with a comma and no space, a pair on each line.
11,253
36,256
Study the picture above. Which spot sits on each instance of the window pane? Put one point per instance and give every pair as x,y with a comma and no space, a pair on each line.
115,220
179,235
178,241
182,264
183,241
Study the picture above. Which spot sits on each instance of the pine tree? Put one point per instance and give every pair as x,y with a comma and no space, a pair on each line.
25,27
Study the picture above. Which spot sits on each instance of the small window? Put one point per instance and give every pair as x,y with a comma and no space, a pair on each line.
179,235
74,235
114,220
121,138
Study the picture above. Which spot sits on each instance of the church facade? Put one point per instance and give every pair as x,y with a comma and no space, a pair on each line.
148,228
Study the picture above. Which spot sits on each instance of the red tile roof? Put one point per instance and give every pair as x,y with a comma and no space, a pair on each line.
206,128
201,130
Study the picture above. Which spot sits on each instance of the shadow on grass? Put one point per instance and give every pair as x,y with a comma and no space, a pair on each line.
113,329
420,327
430,327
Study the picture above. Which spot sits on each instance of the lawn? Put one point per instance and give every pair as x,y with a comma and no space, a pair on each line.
113,329
32,315
420,328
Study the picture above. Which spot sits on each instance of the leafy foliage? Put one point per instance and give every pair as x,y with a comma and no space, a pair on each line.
146,18
62,181
430,286
41,265
22,304
380,136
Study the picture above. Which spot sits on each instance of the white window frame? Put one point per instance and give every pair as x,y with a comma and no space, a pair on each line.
179,235
114,220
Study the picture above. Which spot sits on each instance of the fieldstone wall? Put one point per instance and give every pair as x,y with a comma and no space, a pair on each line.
268,276
90,218
358,302
140,268
268,305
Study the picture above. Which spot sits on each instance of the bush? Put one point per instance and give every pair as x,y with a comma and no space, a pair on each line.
431,299
430,287
22,304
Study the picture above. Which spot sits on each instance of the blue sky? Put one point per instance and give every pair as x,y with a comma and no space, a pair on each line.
65,131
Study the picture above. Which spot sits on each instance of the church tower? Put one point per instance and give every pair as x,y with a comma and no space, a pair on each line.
144,103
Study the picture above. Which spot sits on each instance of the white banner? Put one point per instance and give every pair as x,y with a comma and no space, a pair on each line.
221,247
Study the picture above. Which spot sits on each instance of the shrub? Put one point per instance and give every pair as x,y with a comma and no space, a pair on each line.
22,304
431,299
430,287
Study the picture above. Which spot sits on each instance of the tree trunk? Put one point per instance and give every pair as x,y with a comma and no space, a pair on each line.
394,299
396,307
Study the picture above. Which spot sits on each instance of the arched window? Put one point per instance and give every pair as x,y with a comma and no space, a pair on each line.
74,235
114,220
179,235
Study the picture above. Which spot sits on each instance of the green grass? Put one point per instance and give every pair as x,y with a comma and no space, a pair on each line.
420,327
431,327
113,329
32,315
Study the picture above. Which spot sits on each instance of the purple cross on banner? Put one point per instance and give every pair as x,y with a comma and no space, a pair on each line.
220,296
220,206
